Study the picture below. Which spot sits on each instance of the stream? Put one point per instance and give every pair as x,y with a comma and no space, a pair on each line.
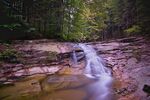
94,84
95,69
111,70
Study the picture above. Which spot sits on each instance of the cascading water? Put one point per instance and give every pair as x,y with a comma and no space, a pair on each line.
95,65
95,69
75,60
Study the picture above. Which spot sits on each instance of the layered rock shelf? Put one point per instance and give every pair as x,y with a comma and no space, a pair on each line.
128,58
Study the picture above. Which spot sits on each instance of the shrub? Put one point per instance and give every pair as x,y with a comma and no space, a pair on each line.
75,37
11,27
135,29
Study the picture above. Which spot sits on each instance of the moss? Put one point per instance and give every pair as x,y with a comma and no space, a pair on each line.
9,55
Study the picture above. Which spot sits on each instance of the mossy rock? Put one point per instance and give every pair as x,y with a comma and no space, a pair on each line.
10,56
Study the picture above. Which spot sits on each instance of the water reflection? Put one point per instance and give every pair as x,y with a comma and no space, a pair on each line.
59,87
80,87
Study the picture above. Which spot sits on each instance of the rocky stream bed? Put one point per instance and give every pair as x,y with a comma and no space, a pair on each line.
128,58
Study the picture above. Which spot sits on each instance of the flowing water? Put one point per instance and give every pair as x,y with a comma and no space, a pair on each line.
95,69
95,65
94,84
74,57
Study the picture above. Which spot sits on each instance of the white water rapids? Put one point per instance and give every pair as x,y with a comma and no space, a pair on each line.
95,69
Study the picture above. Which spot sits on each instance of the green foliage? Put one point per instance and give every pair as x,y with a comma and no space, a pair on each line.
75,37
31,29
135,29
84,18
74,24
9,55
15,26
99,14
78,20
132,13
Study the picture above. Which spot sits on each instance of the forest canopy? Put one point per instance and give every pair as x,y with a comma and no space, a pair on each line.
74,20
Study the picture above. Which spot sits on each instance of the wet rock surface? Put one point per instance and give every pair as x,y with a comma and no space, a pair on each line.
129,59
36,57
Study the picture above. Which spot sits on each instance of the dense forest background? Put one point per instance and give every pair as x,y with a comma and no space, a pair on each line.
73,20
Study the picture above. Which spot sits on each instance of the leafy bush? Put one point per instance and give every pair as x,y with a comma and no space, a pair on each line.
133,30
11,27
76,37
17,31
9,55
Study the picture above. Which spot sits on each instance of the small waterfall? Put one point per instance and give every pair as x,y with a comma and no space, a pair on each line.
95,69
75,60
95,65
74,55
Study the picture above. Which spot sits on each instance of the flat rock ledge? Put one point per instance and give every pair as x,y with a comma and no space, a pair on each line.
36,70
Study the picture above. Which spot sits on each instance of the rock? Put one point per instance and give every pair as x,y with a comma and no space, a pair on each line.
126,90
128,51
107,46
34,83
115,68
16,69
8,83
132,61
36,70
128,40
123,61
3,79
1,75
132,88
79,55
120,56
